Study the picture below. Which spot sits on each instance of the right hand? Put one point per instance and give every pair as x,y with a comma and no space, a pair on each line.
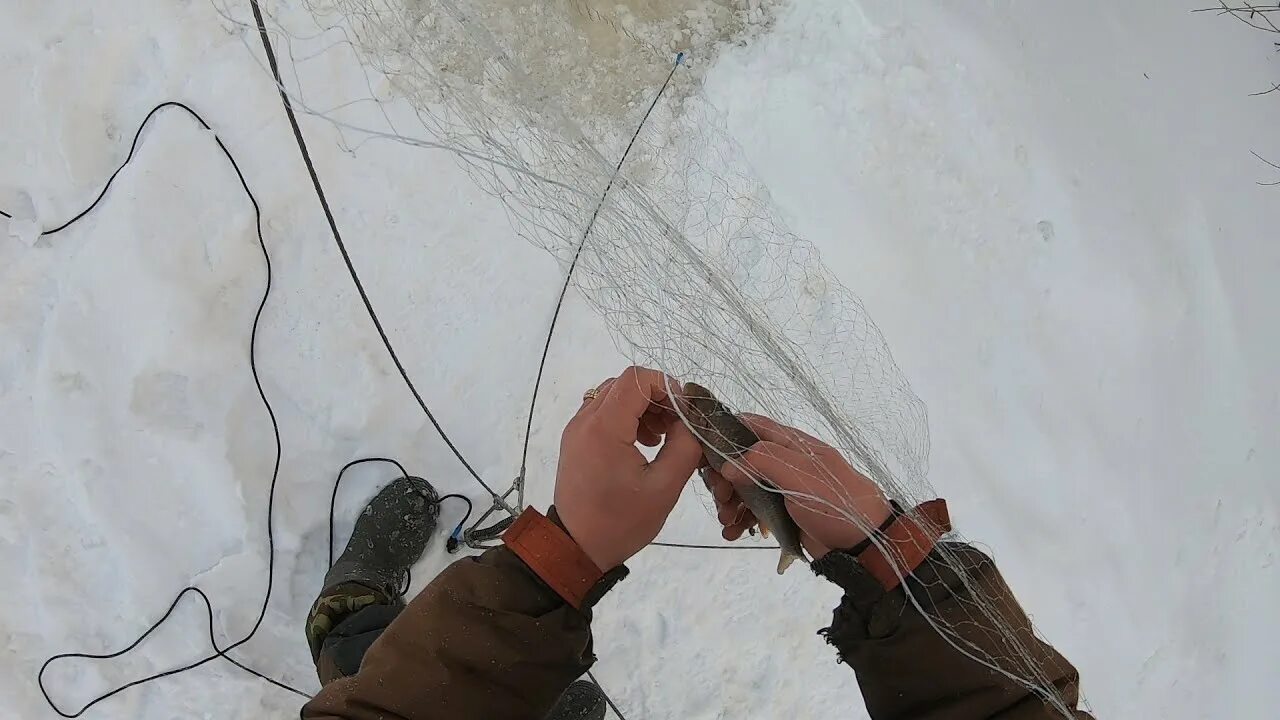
795,461
611,499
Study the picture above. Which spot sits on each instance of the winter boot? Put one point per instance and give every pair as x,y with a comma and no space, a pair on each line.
582,700
389,537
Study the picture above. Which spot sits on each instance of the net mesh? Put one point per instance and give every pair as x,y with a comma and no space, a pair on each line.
687,260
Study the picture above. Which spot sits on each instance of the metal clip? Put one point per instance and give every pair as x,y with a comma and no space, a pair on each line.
476,536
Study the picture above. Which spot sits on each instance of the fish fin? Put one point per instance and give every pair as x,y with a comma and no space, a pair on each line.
764,530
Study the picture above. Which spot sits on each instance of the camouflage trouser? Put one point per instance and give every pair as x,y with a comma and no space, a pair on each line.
343,623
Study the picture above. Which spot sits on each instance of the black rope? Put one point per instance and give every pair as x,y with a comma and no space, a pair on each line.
218,652
564,289
573,264
224,652
346,257
133,149
695,546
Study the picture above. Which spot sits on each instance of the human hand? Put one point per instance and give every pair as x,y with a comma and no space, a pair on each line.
797,462
609,497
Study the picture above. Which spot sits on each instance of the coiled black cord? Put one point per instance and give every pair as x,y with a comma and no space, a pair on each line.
217,651
452,542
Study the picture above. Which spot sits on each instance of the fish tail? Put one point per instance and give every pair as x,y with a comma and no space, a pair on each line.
785,561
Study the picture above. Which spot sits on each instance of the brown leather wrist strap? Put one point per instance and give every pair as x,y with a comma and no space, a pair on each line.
553,556
907,541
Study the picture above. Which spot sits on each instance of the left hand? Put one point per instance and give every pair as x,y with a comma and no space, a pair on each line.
609,497
834,505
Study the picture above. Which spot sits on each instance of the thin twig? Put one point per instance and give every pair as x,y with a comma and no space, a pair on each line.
1268,162
1246,14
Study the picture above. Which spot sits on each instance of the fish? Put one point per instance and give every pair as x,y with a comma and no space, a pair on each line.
725,437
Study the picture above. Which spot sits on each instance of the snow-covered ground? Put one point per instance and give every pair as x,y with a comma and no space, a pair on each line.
1050,209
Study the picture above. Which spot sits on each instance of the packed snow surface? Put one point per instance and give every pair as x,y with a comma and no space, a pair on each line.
1050,209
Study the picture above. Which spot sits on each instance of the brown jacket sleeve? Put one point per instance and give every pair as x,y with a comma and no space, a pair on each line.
486,639
907,670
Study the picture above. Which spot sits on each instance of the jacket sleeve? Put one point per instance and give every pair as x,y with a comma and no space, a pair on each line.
486,639
910,664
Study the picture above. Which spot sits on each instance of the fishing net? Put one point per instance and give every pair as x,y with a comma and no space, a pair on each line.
685,257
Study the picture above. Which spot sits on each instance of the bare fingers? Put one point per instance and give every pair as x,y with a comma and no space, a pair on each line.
734,517
592,398
635,392
650,431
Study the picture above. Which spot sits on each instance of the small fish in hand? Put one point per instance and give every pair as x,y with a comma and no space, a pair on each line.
724,437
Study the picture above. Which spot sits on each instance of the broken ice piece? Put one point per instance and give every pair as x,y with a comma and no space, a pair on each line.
24,230
22,223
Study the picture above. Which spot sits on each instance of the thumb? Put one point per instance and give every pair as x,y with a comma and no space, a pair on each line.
679,457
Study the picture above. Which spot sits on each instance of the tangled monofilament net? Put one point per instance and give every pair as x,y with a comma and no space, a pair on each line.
687,260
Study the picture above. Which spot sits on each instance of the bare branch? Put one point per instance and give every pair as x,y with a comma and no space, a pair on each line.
1266,161
1252,15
